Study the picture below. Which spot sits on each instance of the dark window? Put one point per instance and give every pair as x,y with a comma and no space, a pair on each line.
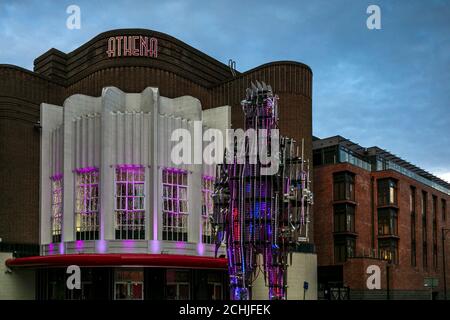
388,250
412,205
387,192
344,218
434,215
344,186
317,157
344,249
444,209
328,155
425,255
424,230
387,222
435,257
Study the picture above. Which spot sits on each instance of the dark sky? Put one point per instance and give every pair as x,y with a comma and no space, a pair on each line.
388,87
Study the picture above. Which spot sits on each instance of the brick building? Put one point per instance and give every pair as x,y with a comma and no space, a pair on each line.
373,208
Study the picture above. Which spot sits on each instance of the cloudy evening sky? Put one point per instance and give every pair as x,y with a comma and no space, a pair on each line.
388,87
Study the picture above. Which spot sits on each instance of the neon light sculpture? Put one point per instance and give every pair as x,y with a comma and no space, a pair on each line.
261,215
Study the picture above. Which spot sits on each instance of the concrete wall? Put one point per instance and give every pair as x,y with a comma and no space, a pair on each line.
15,285
124,128
303,268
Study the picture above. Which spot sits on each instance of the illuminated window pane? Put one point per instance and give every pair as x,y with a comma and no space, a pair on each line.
57,207
130,202
207,208
86,209
175,205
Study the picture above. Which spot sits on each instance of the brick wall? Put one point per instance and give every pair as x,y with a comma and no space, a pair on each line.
405,279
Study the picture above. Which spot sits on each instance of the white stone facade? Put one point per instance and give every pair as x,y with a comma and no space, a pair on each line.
104,133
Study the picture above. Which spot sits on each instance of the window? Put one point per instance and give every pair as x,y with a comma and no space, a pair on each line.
413,254
412,199
435,256
424,230
175,205
412,206
178,285
207,208
387,192
387,222
344,218
434,215
330,155
343,249
425,255
129,285
317,157
444,209
86,204
57,207
215,287
130,202
388,249
344,186
326,155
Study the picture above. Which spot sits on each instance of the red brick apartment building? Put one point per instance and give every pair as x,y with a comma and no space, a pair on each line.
373,208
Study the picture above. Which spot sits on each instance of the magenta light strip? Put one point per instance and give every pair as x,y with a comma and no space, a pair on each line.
86,170
101,246
180,245
128,244
175,170
130,166
200,249
79,245
56,177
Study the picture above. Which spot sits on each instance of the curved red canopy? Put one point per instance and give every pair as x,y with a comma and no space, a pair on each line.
102,260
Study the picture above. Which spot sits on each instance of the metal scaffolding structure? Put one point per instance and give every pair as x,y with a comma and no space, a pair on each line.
260,217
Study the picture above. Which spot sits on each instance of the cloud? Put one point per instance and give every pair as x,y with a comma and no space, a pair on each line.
444,175
388,87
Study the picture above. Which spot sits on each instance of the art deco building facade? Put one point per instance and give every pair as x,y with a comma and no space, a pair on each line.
373,208
176,70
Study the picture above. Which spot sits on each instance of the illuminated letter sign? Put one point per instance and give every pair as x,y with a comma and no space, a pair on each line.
132,46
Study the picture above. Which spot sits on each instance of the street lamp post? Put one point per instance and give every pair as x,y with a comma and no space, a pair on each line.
444,233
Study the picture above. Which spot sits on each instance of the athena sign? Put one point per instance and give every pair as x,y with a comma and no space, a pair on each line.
132,46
